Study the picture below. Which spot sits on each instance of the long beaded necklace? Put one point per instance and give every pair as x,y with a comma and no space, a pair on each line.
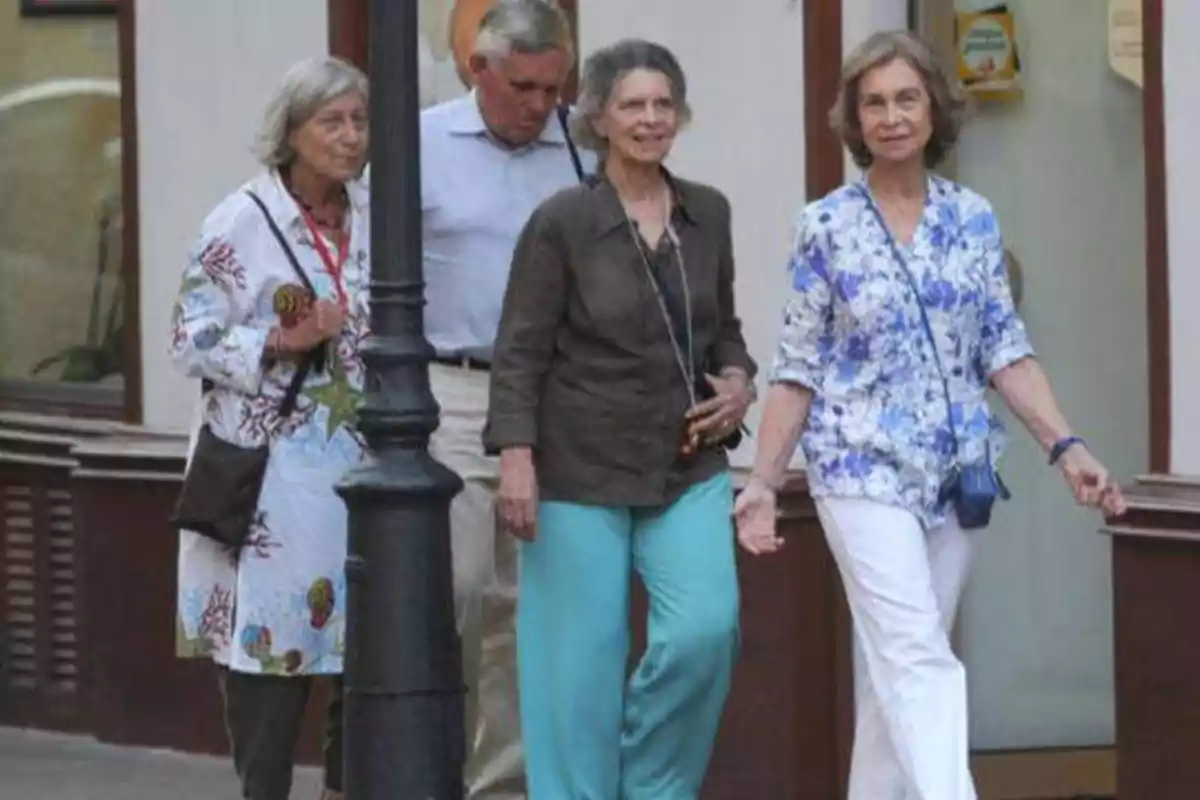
684,356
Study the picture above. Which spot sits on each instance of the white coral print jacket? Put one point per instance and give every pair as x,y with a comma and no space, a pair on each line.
280,608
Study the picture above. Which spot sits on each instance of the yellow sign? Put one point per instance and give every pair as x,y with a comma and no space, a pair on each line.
988,64
1125,39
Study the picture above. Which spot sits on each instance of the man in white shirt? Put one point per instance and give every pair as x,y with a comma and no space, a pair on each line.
487,161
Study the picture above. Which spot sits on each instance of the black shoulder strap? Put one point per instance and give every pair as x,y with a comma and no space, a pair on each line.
316,356
563,112
283,243
902,262
313,357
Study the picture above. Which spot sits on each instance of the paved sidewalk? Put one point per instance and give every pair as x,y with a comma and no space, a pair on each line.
41,766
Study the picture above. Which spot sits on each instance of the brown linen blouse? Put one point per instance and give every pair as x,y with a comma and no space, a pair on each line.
583,369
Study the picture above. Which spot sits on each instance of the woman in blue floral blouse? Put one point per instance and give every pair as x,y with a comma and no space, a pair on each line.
902,318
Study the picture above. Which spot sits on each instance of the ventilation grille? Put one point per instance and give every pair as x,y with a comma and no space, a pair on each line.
20,587
64,653
38,602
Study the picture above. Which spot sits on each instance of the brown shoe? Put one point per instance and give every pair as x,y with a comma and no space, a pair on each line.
329,794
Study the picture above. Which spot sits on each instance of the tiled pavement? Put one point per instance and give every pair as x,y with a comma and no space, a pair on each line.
42,766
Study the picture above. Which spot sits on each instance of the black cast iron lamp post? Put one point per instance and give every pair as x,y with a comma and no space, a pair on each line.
403,679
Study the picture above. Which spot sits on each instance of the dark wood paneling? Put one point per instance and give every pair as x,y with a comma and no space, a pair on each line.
40,613
139,691
1158,292
1156,584
61,399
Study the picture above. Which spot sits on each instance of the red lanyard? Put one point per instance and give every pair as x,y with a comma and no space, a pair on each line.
333,268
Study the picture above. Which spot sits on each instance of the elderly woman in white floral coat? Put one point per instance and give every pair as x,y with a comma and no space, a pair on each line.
273,615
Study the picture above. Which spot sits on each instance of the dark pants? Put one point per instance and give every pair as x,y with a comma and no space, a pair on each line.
263,715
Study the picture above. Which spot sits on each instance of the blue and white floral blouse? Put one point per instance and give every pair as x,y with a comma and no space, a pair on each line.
853,334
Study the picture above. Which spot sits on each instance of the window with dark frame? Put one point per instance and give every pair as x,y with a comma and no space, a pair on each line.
67,324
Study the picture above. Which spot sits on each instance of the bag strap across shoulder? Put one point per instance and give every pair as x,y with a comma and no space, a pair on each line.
283,242
912,282
563,113
311,358
314,357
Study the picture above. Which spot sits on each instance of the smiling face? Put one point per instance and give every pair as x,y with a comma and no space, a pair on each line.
640,120
333,142
895,113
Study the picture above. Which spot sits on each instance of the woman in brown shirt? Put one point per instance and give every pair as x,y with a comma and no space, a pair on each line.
619,378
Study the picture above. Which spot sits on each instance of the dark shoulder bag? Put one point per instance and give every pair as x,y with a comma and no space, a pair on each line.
971,488
220,493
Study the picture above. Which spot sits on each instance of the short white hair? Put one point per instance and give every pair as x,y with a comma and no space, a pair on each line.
306,88
523,26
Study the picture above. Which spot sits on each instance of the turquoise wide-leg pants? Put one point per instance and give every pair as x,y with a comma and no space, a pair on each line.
592,731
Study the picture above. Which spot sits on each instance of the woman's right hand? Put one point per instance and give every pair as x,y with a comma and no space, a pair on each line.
754,514
321,323
517,500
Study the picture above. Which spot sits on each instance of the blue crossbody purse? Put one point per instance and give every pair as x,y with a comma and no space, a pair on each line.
972,489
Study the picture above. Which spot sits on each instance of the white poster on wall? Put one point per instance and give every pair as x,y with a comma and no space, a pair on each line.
1125,39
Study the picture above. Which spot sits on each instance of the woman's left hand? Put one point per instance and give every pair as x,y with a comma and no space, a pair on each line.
716,418
1090,481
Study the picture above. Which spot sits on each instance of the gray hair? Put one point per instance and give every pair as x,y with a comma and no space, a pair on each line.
605,68
523,26
305,89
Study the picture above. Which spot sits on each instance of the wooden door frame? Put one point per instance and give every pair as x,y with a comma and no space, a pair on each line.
131,233
1158,289
349,30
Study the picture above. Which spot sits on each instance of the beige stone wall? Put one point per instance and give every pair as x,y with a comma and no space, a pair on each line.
59,167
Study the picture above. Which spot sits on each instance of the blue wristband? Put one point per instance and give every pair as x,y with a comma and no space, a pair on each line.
1062,446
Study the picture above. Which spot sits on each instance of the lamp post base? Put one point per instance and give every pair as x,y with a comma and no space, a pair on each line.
403,679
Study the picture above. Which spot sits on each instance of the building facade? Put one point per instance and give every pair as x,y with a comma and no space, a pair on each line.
117,152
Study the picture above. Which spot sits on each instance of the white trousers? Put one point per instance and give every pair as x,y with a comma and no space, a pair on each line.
903,586
485,588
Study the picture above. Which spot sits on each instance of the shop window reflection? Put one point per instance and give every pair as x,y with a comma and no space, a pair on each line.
61,290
